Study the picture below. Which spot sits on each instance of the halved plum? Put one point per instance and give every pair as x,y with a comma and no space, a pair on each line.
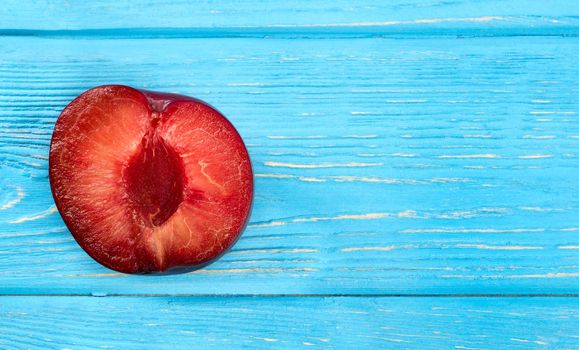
149,182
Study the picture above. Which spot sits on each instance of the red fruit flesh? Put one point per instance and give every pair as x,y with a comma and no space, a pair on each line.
154,179
149,182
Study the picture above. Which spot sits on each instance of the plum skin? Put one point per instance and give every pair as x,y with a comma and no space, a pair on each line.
157,102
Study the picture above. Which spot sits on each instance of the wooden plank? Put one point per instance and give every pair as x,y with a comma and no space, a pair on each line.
62,14
288,323
382,166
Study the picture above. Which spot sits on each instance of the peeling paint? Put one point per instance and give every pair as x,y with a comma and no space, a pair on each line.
38,216
20,194
321,165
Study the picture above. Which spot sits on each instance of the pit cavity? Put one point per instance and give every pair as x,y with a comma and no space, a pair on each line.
154,178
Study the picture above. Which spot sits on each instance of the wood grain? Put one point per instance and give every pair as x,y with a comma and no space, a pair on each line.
387,166
288,323
419,147
66,15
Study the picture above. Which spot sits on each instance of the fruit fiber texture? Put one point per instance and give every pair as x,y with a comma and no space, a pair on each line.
149,182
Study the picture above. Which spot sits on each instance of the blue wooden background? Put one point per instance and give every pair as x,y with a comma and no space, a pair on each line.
416,173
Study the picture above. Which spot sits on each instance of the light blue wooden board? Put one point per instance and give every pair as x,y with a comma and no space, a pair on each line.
382,165
64,14
434,151
288,323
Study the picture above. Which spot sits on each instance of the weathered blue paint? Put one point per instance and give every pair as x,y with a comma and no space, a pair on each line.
288,323
383,166
410,147
62,14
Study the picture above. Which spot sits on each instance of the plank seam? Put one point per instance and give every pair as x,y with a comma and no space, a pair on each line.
321,295
300,32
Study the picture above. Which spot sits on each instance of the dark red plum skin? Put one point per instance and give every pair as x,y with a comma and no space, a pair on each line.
156,102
